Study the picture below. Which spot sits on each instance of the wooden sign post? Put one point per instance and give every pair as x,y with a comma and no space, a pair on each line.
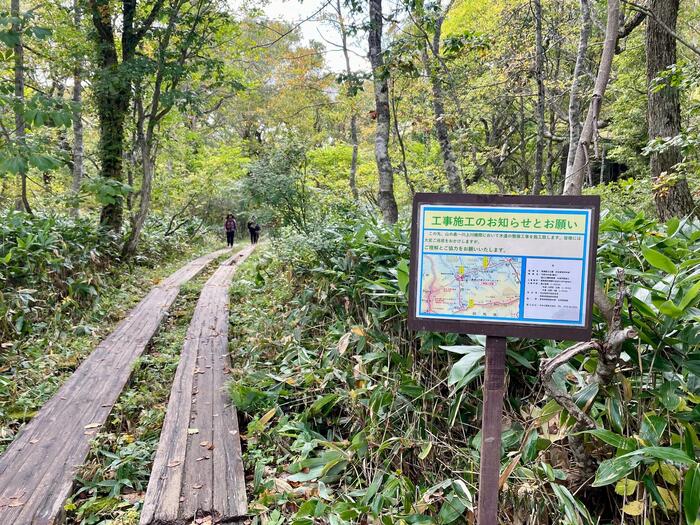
502,266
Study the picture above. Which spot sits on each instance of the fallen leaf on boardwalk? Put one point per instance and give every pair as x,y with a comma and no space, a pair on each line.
174,463
33,441
92,425
193,431
202,458
207,444
197,486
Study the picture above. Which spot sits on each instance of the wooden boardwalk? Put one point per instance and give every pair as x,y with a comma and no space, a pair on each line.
37,470
198,469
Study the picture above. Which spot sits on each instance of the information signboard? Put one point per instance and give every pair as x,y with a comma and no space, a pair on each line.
520,266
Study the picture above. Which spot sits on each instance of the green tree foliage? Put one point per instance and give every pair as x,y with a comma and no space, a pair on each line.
192,109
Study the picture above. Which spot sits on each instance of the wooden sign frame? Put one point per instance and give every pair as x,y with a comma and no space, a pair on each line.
496,328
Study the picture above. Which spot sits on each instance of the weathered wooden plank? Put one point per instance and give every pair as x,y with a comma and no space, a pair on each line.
229,492
198,465
200,474
38,468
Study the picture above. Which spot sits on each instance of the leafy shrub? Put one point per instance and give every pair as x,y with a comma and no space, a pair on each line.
55,264
371,420
47,263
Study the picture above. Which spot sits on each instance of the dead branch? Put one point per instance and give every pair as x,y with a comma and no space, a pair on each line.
549,366
608,359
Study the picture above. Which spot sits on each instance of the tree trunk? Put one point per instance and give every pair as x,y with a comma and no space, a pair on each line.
539,110
144,142
671,193
112,94
399,139
353,112
386,200
581,167
20,130
77,121
448,158
111,111
523,144
146,123
353,160
554,153
113,91
575,93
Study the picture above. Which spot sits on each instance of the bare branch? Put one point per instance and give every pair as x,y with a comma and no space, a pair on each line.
670,31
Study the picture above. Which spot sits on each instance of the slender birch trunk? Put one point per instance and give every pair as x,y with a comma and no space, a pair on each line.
77,98
581,167
386,200
575,93
441,129
539,110
20,126
353,112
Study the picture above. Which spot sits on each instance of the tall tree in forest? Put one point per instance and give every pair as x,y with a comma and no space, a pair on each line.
351,89
539,107
580,169
575,91
20,125
431,62
112,86
77,116
671,193
183,45
387,202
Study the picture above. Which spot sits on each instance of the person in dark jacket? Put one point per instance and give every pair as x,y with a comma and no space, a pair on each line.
254,230
230,227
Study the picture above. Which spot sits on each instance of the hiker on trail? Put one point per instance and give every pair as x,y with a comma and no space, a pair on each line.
254,229
230,227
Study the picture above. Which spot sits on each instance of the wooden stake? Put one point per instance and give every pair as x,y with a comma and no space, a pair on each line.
491,430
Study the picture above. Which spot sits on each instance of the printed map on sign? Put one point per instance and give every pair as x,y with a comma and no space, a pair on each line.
484,286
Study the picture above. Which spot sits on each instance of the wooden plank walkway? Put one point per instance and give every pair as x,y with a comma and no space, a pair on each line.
37,469
198,470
